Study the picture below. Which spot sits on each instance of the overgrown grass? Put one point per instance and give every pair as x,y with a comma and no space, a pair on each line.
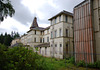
20,58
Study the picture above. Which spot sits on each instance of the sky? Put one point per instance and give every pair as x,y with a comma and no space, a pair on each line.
26,10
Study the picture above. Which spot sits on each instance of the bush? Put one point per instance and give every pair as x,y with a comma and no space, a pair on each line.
90,65
20,58
71,60
81,64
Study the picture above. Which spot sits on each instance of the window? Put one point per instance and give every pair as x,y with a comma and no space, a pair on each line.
51,35
43,40
55,20
40,50
60,49
34,39
45,50
59,18
51,45
41,32
55,45
48,31
56,33
40,40
59,32
47,39
66,32
55,48
51,22
35,32
66,48
66,18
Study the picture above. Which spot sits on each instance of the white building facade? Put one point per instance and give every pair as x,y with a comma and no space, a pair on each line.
55,40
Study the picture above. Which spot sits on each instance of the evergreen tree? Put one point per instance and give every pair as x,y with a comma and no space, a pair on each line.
1,39
6,39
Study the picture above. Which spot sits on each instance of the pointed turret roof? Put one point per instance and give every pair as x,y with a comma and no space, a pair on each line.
34,23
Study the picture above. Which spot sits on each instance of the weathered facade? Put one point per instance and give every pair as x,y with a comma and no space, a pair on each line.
86,31
53,41
61,35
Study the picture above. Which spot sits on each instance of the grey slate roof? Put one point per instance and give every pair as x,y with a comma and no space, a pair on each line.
34,23
62,12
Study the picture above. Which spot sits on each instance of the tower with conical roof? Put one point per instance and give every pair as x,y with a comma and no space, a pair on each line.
34,23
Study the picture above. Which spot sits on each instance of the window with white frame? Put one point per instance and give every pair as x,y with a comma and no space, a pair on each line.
51,51
40,50
35,32
66,48
55,20
66,18
51,35
56,48
60,48
59,18
35,39
51,22
47,39
66,32
40,40
45,50
43,40
60,32
55,33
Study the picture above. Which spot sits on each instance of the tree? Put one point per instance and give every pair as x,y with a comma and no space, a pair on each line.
1,39
6,9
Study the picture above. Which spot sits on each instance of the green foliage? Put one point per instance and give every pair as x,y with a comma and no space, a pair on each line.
81,64
90,65
20,58
7,38
94,65
6,9
43,64
71,60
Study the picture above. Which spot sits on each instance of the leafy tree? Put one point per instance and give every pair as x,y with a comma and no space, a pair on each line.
6,9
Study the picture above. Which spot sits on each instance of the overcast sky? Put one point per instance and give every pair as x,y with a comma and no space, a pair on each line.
26,10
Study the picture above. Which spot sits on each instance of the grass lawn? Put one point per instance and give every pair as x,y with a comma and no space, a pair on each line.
63,64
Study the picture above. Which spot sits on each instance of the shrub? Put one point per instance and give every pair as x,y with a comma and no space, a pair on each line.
81,64
20,58
70,60
90,65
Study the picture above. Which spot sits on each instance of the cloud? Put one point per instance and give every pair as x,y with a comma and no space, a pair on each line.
11,24
22,13
26,10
